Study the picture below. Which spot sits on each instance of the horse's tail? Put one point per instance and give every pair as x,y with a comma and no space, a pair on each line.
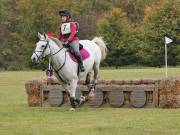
102,45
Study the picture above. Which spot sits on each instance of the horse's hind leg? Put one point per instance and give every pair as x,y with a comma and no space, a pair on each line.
88,78
91,95
88,81
96,73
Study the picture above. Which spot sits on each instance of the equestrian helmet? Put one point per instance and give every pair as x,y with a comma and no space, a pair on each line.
65,13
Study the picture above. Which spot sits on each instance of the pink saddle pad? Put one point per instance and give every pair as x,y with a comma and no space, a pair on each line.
85,54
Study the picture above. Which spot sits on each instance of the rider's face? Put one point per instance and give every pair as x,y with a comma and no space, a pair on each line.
64,18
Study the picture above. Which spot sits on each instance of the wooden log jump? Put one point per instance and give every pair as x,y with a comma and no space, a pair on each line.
112,93
108,93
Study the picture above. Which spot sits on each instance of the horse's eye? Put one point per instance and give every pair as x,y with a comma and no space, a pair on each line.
43,46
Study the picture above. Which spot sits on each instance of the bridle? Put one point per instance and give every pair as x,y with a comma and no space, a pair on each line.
42,52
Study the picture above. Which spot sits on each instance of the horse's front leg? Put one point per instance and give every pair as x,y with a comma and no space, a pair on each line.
71,90
74,102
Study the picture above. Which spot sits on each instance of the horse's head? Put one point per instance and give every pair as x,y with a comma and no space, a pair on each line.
42,48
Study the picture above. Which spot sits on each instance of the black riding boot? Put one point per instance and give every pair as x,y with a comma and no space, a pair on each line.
80,62
81,66
79,59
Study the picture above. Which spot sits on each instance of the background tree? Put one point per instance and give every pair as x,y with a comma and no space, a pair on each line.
161,21
133,29
120,38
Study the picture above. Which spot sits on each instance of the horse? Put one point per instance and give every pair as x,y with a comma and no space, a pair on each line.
66,69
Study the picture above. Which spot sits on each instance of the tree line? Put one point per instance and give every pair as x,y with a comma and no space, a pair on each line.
134,30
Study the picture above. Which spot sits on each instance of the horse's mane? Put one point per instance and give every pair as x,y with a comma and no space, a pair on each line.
56,41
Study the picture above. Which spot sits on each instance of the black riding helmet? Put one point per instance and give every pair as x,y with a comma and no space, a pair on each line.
65,13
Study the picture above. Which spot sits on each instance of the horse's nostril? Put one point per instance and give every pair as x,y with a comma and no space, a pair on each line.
33,59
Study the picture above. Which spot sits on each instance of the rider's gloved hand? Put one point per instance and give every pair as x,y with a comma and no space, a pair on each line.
66,43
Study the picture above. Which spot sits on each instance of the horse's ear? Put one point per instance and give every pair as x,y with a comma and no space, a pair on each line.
45,35
39,35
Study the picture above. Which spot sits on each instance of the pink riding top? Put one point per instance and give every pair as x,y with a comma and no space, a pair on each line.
68,31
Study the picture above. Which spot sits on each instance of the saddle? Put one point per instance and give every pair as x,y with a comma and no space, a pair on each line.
84,53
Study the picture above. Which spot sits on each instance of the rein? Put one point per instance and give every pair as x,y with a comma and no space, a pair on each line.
57,52
42,51
63,63
56,71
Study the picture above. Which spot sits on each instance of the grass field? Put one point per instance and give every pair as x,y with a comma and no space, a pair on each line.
16,118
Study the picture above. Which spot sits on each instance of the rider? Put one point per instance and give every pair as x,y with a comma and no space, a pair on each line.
68,33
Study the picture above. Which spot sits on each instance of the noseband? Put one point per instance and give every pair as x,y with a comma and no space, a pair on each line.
42,51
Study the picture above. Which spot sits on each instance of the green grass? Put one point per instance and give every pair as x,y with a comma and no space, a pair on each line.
16,118
147,73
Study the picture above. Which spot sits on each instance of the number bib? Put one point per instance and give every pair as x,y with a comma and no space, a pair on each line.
66,28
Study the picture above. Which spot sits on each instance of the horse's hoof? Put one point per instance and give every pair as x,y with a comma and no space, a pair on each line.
91,96
82,100
72,109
